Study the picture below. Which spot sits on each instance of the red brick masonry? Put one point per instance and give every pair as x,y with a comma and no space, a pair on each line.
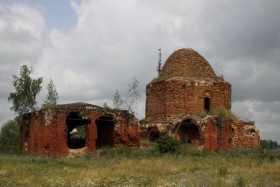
47,132
183,101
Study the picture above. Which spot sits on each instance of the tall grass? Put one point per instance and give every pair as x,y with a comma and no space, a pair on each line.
143,167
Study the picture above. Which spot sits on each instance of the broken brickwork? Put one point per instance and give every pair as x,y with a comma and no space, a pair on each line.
49,131
183,101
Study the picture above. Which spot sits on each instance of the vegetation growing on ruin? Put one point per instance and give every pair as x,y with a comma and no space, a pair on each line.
144,167
52,97
221,77
222,113
160,78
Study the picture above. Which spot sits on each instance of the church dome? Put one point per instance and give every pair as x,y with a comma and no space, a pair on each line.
186,63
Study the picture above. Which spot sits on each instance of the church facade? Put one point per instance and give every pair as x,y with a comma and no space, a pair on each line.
190,103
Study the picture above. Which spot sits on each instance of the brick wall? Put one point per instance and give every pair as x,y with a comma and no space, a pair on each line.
48,130
171,97
244,134
180,91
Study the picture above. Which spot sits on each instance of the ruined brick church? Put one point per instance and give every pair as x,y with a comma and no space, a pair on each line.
190,103
187,101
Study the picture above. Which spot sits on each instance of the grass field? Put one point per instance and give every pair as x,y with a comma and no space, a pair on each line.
144,167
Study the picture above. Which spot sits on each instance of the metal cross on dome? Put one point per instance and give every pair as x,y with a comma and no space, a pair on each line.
159,62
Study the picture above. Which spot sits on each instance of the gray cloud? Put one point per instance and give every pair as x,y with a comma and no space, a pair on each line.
22,36
114,41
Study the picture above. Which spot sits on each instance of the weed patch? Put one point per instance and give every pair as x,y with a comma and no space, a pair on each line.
189,166
222,171
239,181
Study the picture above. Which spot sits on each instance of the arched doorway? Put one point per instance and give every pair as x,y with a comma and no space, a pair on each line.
105,131
76,130
188,132
153,134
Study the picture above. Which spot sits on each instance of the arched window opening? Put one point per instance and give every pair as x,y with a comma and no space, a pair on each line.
105,131
76,130
233,131
207,104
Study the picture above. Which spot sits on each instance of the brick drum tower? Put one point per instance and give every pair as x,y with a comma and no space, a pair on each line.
189,102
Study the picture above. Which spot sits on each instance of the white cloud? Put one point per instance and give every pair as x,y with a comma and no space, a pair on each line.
21,32
22,36
114,41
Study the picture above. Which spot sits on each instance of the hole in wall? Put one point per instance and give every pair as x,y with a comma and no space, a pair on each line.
76,130
105,132
233,131
207,104
153,135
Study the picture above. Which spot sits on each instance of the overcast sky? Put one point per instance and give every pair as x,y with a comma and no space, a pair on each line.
91,48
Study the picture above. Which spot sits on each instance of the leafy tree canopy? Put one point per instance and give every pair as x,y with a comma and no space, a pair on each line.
131,99
117,100
26,90
52,97
132,95
269,144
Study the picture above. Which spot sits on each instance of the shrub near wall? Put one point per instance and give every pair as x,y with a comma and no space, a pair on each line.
9,137
165,144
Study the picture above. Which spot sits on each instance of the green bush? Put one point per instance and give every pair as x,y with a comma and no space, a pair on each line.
165,144
10,137
78,140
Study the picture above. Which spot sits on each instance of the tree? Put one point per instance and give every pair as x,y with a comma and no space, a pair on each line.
117,100
9,136
269,144
106,106
52,97
131,99
24,98
132,95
